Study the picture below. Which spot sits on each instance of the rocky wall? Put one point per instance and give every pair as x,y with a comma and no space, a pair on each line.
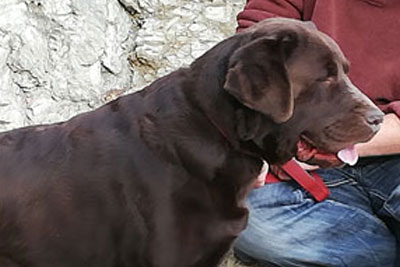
62,57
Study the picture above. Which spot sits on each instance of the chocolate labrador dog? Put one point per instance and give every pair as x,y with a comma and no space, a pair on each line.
158,177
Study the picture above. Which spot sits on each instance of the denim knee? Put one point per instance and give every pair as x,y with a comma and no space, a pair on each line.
289,229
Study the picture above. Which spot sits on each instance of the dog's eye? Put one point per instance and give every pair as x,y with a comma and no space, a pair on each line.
331,71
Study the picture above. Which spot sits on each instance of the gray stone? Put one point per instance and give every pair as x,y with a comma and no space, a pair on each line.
62,57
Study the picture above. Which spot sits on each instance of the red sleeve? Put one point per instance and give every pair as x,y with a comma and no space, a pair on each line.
257,10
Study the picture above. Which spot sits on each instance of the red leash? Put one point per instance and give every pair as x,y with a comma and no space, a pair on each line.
312,183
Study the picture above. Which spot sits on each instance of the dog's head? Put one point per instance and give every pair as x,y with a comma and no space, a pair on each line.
295,78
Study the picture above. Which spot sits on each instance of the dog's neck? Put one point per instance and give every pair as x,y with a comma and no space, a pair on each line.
209,78
224,112
208,145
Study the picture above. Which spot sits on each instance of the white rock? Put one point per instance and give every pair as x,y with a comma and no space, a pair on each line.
62,57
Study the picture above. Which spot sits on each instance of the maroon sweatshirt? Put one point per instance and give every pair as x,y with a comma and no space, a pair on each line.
368,31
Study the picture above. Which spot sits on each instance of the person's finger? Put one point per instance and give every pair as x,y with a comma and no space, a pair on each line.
260,181
326,160
307,167
279,173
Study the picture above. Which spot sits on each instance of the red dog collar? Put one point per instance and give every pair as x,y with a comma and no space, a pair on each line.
311,183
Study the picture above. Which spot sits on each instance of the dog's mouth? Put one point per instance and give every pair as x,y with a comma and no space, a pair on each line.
307,151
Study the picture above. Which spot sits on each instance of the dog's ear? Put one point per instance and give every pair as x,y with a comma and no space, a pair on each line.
257,76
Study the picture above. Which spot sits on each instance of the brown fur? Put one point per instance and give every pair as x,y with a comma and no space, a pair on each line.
158,177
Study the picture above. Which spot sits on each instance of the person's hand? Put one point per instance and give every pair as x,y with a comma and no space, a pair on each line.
386,141
260,181
278,172
320,160
282,175
312,156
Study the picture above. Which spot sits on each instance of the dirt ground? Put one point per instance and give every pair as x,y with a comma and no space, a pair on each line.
231,261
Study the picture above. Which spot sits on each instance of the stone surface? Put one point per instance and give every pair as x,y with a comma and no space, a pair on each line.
62,57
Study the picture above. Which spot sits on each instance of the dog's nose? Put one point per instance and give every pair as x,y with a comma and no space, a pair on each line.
374,117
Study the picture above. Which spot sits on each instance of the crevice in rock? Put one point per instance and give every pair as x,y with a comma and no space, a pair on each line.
142,63
129,7
4,122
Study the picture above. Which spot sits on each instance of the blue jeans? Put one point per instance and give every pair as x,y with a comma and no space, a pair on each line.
358,225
